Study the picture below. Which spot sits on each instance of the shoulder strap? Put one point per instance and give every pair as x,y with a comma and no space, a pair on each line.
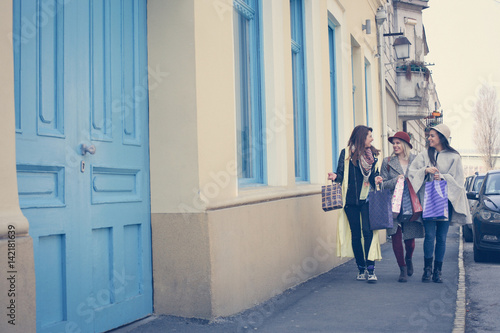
388,161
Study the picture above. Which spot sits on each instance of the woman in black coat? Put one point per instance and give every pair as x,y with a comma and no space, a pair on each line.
362,175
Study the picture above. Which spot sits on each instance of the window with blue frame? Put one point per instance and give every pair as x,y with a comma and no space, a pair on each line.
299,91
353,87
249,93
333,96
367,91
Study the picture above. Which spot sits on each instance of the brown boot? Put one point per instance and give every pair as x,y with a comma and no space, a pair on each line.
403,277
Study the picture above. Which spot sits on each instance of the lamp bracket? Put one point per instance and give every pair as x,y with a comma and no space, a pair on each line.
394,34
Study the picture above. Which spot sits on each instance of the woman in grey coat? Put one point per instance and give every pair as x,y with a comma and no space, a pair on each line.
393,168
439,162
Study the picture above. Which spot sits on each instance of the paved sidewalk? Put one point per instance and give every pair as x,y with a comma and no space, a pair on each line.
336,302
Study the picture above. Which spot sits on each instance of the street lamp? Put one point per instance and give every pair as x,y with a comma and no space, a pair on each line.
402,48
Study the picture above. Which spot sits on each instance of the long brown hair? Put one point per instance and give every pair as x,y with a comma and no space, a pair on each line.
431,151
357,143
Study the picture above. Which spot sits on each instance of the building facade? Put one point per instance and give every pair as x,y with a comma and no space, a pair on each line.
175,150
412,101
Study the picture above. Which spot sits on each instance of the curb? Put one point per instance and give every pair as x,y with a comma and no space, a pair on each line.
460,310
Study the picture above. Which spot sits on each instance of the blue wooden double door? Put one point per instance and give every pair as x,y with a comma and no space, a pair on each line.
81,89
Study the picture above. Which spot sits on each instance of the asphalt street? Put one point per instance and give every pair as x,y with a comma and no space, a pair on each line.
483,294
336,302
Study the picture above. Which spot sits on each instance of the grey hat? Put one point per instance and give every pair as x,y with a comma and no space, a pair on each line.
443,129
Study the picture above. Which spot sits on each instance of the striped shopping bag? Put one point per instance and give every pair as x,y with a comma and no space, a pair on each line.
436,201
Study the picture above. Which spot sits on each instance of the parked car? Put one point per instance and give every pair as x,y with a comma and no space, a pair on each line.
486,216
473,185
467,182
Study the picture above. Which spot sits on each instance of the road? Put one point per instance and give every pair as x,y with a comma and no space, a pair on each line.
482,293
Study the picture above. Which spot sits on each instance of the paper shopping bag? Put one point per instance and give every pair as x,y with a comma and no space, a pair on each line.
397,197
415,203
436,200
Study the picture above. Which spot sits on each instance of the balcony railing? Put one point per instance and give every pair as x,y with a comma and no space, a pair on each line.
433,120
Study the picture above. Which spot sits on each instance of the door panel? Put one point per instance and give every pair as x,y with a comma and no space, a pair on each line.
81,78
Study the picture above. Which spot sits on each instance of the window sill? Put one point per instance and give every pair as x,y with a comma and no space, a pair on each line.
255,195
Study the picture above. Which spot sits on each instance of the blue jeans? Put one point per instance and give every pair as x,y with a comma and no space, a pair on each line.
435,231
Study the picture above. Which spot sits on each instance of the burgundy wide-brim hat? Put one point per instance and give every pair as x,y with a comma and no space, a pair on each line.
401,136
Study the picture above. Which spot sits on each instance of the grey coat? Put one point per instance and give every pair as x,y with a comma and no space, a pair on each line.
450,168
389,171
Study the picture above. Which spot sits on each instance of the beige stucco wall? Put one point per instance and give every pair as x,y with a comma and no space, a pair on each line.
258,251
227,260
173,116
18,287
217,248
181,265
349,17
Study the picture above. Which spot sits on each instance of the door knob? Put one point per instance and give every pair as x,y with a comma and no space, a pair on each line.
87,149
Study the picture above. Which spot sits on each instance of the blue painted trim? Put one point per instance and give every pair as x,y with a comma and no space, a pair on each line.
132,101
44,186
17,40
262,100
333,95
100,71
300,106
116,181
50,73
353,88
367,84
244,9
252,105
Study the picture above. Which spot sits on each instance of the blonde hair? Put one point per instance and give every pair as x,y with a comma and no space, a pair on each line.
406,149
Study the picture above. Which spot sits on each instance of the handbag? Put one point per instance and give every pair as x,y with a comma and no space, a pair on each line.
397,197
406,207
415,203
380,209
331,196
436,201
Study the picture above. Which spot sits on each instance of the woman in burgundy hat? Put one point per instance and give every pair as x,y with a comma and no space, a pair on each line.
393,168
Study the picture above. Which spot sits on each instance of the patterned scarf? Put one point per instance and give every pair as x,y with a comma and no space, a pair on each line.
366,162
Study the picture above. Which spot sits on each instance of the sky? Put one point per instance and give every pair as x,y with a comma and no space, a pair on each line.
464,45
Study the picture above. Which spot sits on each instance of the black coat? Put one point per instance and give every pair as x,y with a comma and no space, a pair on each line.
355,179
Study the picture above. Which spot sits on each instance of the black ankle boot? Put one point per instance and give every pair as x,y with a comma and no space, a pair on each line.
436,275
426,277
409,266
403,274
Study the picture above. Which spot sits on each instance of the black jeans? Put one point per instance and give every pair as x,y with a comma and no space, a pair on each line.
354,213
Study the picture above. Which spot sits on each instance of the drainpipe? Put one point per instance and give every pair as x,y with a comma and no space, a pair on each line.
380,18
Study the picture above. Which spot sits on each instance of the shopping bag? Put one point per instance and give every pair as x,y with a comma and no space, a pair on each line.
397,197
406,208
415,203
380,209
331,196
436,201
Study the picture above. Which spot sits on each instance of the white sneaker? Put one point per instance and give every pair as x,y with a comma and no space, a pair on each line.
361,276
372,278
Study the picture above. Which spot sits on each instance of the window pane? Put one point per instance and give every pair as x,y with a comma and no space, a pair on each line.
299,91
333,97
248,101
